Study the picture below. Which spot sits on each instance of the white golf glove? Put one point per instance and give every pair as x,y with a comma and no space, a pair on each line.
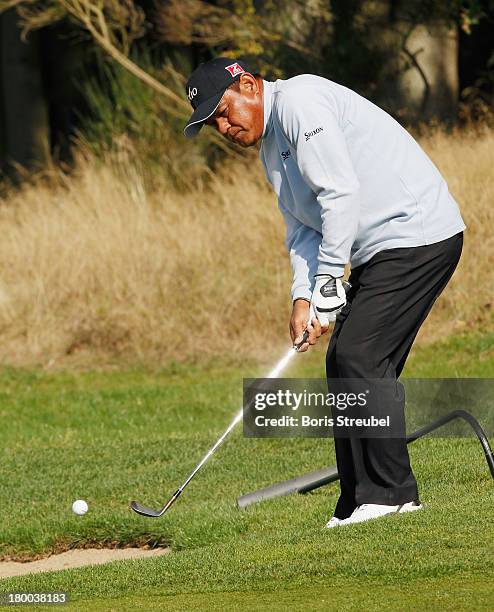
328,298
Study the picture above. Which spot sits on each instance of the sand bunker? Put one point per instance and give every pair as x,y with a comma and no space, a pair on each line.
76,558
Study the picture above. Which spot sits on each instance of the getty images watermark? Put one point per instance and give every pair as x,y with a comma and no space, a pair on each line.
358,407
304,401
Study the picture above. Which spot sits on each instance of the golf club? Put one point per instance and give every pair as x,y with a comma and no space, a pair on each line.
145,511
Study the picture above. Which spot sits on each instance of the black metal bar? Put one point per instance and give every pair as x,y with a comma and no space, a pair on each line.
471,420
314,480
286,487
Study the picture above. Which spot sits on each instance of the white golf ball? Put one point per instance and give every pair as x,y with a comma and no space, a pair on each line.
79,507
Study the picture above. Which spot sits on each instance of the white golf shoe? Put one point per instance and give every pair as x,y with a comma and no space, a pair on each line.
367,512
333,522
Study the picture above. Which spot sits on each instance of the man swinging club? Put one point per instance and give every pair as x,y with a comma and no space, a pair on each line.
353,187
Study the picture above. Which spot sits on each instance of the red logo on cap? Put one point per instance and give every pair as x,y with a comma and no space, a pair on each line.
234,69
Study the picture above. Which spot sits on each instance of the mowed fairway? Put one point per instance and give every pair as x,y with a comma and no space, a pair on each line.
109,437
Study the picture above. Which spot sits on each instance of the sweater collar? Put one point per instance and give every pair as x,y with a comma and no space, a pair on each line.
268,88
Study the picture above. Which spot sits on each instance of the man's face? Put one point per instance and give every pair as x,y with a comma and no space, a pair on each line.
240,113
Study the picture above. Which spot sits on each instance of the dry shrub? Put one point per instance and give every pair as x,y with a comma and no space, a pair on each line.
92,267
466,159
96,263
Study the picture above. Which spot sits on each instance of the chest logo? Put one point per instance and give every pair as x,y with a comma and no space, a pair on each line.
308,135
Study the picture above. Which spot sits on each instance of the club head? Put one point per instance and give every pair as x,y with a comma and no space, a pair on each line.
144,510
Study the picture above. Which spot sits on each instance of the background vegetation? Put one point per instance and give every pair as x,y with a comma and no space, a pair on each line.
123,240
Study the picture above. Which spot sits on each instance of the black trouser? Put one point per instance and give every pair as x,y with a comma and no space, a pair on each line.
390,298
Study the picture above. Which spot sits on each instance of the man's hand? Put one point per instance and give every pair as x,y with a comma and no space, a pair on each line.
328,298
303,318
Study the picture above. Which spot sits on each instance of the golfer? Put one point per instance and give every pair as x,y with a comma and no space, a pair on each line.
354,188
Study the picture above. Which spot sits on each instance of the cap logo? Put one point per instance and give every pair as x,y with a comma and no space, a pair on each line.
192,93
234,69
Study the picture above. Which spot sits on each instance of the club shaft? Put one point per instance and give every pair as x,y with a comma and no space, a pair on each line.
280,366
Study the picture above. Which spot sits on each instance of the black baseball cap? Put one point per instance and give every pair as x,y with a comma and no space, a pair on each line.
206,86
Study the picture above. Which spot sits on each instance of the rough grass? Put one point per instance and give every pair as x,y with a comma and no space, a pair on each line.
108,437
94,266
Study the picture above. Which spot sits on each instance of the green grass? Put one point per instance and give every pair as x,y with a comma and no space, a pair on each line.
109,437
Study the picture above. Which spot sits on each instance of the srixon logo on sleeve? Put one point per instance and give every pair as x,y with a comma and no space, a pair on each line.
308,135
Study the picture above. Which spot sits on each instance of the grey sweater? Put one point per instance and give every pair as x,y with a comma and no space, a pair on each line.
350,180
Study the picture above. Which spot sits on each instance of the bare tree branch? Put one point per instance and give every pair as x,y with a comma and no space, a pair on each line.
413,58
